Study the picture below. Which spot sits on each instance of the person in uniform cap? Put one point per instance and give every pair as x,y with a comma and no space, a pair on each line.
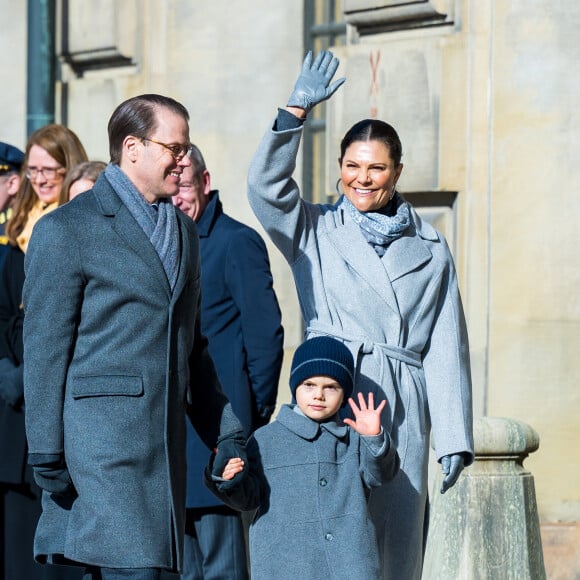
11,159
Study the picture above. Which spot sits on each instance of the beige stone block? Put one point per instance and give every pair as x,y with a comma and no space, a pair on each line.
487,526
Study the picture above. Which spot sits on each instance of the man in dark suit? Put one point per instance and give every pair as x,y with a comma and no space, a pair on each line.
115,357
242,321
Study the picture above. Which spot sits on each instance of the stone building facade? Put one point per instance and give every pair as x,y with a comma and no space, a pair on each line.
486,97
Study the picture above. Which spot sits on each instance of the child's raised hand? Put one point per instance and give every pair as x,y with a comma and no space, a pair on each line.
232,468
367,418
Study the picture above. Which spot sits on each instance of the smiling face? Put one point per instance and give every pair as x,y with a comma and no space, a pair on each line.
319,397
47,189
368,174
151,166
193,195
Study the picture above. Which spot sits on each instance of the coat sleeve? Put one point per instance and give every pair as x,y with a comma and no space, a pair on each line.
447,371
249,280
52,297
250,491
379,459
274,196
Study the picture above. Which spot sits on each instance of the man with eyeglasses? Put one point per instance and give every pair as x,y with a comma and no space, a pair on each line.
115,358
11,159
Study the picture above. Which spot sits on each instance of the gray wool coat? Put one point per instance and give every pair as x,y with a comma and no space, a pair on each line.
311,483
401,316
109,353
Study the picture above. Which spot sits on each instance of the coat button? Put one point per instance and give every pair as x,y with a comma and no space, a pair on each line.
329,537
323,482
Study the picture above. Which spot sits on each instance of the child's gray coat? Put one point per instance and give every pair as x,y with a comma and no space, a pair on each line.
402,317
311,482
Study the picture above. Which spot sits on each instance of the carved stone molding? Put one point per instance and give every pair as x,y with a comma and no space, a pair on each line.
375,16
98,34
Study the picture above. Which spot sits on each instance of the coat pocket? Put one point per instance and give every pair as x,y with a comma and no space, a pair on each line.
106,386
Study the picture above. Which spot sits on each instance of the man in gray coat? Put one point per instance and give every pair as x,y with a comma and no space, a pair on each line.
115,357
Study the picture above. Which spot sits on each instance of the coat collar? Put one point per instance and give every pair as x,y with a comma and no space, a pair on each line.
125,225
404,255
210,214
410,251
294,420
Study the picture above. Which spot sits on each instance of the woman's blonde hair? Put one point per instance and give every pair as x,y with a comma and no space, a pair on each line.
61,144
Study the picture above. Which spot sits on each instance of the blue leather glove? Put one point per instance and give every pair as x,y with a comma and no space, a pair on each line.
53,478
229,447
313,85
452,466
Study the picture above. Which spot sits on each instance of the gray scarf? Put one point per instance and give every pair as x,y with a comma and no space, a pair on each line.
380,229
159,223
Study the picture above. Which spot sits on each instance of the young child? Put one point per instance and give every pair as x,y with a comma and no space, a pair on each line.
310,475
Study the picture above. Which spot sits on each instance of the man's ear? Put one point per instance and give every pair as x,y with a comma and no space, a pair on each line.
206,181
130,147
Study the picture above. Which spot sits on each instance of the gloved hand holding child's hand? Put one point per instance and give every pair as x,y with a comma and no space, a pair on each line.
227,466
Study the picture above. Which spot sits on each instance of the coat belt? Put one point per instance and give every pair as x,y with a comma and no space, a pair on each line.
367,346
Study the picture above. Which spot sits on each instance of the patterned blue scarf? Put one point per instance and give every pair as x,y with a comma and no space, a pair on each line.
378,228
159,223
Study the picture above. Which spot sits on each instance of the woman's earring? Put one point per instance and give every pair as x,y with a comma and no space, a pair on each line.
337,187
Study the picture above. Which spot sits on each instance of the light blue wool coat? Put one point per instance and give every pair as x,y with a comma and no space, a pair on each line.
311,482
401,316
114,361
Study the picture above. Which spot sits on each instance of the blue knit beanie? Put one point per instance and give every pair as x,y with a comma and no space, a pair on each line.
325,356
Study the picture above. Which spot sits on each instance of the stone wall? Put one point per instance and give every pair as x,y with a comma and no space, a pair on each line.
486,95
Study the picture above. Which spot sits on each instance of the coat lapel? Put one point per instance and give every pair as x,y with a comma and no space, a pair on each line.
351,245
125,225
405,255
410,252
185,258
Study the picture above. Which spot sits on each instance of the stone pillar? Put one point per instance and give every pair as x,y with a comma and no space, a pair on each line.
486,527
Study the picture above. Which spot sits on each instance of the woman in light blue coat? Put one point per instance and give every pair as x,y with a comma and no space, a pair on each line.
371,273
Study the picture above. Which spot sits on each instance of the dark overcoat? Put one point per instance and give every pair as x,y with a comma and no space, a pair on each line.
110,354
242,322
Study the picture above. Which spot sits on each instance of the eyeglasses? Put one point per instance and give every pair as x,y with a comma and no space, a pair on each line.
47,172
178,151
